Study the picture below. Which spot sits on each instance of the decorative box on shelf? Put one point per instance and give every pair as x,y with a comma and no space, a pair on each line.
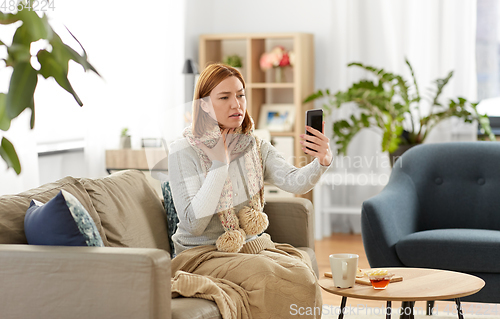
145,159
153,160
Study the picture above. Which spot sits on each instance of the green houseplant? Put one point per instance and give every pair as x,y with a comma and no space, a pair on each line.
125,139
393,105
233,60
53,62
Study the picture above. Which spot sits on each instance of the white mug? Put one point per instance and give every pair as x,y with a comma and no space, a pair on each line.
344,268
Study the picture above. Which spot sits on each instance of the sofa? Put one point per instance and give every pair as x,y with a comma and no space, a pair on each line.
130,276
440,209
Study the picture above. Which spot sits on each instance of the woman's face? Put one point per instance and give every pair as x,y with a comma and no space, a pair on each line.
228,103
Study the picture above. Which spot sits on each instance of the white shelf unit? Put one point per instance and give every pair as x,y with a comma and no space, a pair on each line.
342,183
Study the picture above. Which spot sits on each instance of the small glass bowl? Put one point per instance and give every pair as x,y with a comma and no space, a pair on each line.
380,281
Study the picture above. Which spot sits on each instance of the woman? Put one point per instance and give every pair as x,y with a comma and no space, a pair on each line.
217,173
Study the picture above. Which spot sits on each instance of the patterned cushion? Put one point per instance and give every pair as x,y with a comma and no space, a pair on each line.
172,218
62,221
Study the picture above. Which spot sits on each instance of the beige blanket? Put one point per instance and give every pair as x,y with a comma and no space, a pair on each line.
264,280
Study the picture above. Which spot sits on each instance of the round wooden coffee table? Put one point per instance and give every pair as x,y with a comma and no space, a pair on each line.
419,284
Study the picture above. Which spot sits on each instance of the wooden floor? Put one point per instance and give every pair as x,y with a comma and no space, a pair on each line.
347,243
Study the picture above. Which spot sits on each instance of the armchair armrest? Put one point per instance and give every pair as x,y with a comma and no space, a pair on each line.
388,217
291,221
84,282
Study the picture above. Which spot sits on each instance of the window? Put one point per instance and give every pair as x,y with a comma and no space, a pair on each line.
488,49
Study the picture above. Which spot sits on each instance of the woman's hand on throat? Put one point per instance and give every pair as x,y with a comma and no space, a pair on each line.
222,150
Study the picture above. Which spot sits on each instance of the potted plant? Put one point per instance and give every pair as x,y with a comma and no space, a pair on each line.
235,61
125,140
53,61
393,105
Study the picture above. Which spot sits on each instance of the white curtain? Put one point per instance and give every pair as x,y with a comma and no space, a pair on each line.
436,36
138,48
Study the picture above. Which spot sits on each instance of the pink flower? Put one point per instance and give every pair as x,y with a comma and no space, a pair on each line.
285,61
265,62
277,57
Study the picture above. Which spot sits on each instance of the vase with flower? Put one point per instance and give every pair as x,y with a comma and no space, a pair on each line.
278,59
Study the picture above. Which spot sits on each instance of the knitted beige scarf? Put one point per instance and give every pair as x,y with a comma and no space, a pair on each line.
250,220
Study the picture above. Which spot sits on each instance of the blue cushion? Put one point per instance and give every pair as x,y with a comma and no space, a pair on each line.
62,221
466,250
172,219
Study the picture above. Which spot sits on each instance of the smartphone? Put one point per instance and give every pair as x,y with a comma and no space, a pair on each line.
314,119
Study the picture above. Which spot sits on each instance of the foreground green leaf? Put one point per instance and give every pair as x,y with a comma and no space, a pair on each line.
22,36
81,59
32,107
19,53
21,90
4,119
36,27
8,18
51,67
9,155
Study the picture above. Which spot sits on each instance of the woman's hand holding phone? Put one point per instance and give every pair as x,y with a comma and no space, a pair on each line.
317,145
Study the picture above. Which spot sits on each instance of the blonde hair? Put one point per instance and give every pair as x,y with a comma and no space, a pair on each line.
211,76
